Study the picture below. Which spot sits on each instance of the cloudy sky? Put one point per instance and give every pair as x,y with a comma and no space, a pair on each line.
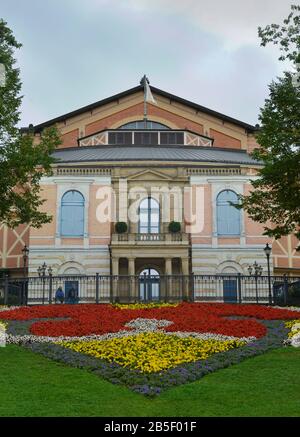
76,52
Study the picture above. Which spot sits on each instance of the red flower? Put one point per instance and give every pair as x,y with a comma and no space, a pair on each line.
86,319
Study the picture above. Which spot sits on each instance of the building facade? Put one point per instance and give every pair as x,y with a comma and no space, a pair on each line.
188,164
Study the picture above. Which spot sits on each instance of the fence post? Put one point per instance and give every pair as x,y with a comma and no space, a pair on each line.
285,289
50,288
192,285
166,288
111,291
97,287
139,287
5,289
239,288
26,292
146,288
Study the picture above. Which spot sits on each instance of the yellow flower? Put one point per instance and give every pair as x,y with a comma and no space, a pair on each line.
290,324
140,306
152,352
3,325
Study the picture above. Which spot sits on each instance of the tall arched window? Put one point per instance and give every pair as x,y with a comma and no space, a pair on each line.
72,214
228,217
149,216
140,124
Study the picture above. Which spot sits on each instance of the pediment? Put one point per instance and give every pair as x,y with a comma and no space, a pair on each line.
149,175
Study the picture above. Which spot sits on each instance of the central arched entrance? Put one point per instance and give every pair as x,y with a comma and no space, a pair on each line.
149,285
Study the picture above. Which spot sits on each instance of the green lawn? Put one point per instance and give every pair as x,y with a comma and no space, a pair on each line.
266,385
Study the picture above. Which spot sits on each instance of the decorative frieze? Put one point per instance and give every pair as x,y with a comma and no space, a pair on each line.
215,171
71,171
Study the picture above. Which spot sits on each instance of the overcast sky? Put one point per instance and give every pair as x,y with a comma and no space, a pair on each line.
76,52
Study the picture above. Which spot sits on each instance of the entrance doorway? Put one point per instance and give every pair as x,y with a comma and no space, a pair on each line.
149,285
71,291
230,290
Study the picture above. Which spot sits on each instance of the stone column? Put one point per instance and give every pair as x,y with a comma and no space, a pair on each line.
169,279
185,273
132,280
115,280
115,266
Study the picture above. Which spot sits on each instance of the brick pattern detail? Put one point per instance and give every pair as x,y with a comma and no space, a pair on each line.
12,242
251,144
225,141
69,139
136,111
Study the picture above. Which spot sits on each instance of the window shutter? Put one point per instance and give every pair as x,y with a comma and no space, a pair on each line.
228,217
72,214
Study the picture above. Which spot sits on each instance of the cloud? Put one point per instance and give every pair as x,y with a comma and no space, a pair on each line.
234,21
76,52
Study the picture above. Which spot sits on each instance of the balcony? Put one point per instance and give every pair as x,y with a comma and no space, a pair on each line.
165,239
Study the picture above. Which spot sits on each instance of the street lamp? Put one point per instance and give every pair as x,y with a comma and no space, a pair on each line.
257,270
42,274
25,252
42,270
268,251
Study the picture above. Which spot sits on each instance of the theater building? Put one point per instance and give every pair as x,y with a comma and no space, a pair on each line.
185,164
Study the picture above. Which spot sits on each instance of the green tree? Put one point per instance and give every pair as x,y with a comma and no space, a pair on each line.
23,162
275,198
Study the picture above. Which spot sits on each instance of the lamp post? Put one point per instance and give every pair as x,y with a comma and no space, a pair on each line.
257,272
268,251
25,252
42,274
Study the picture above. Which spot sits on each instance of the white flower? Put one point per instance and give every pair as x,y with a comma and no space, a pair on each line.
295,340
147,325
139,326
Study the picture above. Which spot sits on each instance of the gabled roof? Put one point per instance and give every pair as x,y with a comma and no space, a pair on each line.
171,97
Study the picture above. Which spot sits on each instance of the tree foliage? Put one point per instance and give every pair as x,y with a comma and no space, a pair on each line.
275,198
23,160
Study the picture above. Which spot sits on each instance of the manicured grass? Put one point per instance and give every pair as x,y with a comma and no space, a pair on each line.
266,385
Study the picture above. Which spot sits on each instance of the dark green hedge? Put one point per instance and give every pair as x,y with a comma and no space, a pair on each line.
174,227
121,227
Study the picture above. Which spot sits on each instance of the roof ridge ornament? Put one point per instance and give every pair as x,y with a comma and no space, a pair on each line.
142,81
148,97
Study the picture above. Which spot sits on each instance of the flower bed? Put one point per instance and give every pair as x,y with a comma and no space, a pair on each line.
294,334
87,319
152,352
150,348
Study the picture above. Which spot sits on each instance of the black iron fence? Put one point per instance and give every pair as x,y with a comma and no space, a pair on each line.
277,290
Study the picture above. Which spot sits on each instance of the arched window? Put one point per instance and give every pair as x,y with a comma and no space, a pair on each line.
149,216
72,214
228,217
140,124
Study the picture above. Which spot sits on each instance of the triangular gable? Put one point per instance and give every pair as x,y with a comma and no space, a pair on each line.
139,89
148,175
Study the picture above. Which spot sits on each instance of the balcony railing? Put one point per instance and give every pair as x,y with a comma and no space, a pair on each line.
167,238
140,137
